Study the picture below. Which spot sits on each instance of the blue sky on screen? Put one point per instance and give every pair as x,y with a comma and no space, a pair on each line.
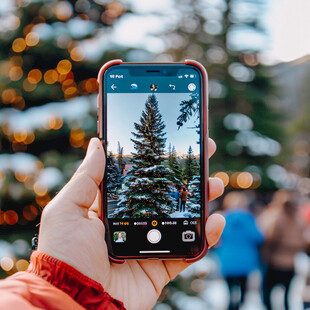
122,113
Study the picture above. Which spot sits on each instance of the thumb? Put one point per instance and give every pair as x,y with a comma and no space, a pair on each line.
82,189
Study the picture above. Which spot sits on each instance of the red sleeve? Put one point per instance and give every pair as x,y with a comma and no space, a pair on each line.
87,292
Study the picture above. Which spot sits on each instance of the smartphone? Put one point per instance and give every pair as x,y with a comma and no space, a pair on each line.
153,120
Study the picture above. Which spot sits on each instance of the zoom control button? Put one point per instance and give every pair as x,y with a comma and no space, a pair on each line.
153,236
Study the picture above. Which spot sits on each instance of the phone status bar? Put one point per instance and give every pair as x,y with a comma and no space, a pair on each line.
185,83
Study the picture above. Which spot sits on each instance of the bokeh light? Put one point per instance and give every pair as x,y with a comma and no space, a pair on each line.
19,45
22,265
50,76
8,95
29,87
10,217
40,188
64,66
55,123
77,54
244,180
30,212
32,39
16,73
223,176
77,136
63,10
34,76
6,263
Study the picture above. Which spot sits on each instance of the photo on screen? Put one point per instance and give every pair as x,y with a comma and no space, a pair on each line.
153,159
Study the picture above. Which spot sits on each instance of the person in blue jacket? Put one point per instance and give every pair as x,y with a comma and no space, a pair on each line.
239,252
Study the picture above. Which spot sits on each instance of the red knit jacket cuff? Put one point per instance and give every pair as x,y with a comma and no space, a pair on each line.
87,292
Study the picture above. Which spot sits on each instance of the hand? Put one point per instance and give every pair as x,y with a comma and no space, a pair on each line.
71,231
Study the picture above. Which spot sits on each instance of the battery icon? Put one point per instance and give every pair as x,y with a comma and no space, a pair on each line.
192,76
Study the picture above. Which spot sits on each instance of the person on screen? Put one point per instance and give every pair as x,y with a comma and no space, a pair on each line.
120,238
71,268
183,196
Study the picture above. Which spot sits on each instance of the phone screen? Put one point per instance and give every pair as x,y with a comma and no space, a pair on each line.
154,176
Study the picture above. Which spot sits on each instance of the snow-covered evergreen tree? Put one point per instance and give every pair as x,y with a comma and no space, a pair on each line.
145,190
114,177
194,194
120,159
175,166
191,166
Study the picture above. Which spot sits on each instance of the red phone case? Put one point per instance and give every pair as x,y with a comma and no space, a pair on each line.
205,140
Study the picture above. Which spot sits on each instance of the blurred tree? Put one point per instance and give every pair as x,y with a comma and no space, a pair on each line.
50,51
243,122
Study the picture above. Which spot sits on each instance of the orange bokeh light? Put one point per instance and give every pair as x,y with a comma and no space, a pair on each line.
50,76
20,135
40,189
19,45
30,212
8,95
223,176
64,66
244,180
10,217
34,76
91,85
77,54
55,123
77,137
29,86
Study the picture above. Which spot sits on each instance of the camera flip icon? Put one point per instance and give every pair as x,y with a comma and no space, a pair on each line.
188,236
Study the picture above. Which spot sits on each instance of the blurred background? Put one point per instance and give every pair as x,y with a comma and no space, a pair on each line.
256,53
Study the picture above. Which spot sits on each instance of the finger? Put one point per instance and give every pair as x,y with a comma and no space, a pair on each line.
82,189
211,147
216,188
95,210
214,228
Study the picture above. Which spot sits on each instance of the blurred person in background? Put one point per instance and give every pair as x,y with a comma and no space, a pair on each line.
285,236
305,214
239,252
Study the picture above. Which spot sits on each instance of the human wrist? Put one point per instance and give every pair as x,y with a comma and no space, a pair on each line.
87,292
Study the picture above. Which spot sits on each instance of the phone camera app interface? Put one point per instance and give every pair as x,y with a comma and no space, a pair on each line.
153,160
153,87
188,236
119,236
